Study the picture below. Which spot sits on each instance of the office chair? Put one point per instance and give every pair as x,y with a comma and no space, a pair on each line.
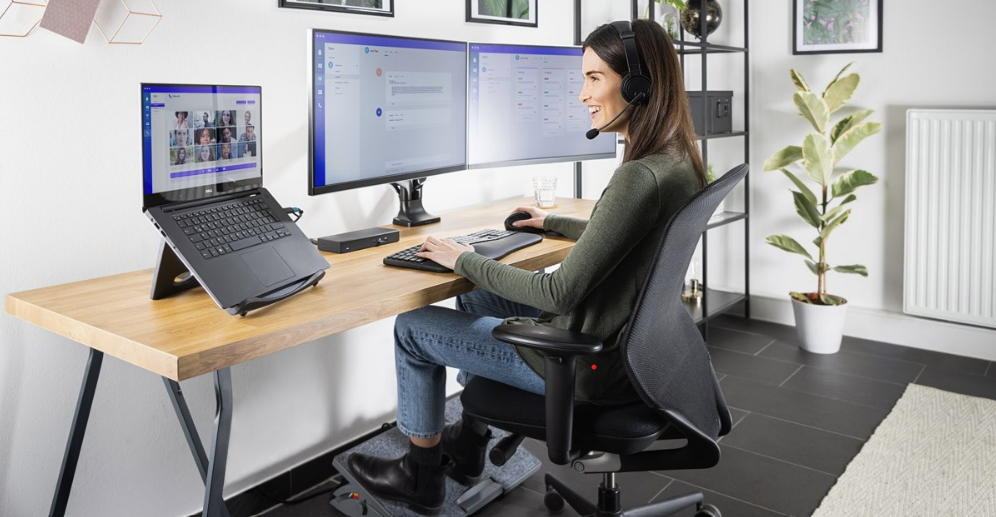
666,362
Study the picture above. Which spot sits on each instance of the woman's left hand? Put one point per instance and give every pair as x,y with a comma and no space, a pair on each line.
443,251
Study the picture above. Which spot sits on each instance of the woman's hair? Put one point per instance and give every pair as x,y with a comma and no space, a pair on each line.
664,123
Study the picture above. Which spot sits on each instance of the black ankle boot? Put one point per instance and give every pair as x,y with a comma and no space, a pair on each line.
467,449
421,487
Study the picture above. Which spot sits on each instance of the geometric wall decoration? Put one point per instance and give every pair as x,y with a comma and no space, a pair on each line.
69,18
127,22
19,17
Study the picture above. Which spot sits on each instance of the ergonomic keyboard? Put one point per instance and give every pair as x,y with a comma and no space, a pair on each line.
227,228
493,244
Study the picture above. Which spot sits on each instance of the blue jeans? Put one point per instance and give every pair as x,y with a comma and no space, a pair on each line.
427,340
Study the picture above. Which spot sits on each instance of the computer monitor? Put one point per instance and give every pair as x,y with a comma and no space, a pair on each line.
386,109
199,141
524,107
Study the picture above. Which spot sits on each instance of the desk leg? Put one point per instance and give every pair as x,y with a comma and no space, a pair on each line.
189,431
214,503
76,432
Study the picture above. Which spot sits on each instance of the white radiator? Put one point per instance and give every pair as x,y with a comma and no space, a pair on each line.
951,215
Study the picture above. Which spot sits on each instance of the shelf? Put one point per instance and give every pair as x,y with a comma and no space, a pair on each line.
723,218
718,303
710,48
721,135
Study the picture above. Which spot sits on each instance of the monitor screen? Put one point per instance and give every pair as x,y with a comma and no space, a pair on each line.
199,141
385,109
524,107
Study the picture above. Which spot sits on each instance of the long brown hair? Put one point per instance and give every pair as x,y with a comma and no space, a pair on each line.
664,123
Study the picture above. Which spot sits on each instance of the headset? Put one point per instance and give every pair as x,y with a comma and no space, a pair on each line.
635,82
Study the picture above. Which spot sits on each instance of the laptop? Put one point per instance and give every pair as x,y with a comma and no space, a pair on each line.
203,190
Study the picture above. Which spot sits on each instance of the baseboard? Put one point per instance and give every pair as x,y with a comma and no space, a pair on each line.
892,327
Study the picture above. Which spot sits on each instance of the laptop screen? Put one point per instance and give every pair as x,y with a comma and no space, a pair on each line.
199,141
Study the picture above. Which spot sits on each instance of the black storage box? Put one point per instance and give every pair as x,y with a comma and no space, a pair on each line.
720,112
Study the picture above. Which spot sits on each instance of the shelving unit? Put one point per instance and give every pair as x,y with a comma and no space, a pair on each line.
714,302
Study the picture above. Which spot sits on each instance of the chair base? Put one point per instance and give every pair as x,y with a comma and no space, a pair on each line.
609,502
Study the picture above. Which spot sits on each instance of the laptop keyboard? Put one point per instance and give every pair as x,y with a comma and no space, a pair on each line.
224,229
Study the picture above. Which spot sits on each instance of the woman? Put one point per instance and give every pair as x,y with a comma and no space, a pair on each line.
181,120
181,156
594,290
206,155
226,119
204,137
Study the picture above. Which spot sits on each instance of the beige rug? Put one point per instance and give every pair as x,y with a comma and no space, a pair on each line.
935,454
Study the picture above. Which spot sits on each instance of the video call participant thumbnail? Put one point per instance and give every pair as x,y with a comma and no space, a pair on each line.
225,151
205,136
206,119
181,120
225,118
205,153
179,138
180,156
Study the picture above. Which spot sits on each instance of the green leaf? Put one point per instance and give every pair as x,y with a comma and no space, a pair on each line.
836,210
817,157
813,109
847,123
849,181
798,81
829,299
812,267
853,269
840,92
818,241
801,297
851,138
834,224
802,186
842,70
807,210
786,156
788,244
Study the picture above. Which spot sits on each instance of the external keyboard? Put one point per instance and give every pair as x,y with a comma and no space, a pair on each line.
493,244
224,229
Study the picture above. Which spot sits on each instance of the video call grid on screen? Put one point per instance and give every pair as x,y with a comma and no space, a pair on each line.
386,108
196,136
524,107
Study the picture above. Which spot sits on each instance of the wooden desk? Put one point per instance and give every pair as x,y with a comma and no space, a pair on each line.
187,335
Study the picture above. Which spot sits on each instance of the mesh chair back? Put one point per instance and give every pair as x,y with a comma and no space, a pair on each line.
665,356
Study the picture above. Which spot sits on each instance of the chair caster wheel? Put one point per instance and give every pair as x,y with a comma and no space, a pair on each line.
707,510
553,501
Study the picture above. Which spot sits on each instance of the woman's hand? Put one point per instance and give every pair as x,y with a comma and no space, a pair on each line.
536,219
443,251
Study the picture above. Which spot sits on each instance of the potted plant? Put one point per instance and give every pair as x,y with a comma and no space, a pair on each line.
669,15
819,316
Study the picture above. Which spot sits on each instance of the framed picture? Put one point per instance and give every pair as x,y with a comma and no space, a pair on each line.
506,12
374,7
836,26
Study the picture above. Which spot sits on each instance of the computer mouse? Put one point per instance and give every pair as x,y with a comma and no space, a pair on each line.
520,216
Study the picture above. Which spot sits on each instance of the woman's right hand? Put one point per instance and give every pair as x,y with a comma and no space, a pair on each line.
536,219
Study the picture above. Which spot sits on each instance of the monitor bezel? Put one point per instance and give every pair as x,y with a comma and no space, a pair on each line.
204,191
314,190
527,161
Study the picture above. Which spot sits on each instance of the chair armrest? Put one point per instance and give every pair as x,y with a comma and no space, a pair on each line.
560,348
548,339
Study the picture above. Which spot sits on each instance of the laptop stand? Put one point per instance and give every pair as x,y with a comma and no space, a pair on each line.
171,276
352,500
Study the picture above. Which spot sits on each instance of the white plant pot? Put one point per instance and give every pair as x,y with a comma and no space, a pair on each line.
820,327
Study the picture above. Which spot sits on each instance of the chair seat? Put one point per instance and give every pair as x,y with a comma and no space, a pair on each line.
620,429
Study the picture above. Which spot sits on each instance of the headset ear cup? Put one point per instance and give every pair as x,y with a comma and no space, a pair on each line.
633,85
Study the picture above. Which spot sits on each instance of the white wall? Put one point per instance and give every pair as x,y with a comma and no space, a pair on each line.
930,60
70,184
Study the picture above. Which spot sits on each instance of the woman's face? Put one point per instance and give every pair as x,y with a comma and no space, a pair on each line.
205,153
602,93
248,116
181,116
205,137
226,117
181,155
181,137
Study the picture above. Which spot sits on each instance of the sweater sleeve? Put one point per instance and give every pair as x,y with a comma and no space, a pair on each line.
570,227
624,215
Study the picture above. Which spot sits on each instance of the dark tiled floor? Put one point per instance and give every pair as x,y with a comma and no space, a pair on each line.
799,419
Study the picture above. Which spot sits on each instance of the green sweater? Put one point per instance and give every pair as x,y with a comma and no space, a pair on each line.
596,287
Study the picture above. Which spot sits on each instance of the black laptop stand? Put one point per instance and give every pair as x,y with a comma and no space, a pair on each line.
172,276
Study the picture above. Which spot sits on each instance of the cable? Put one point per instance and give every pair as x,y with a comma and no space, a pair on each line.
295,211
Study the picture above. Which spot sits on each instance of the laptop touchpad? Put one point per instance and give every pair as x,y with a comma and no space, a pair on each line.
267,265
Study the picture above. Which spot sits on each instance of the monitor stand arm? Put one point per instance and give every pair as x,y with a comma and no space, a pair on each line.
412,213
